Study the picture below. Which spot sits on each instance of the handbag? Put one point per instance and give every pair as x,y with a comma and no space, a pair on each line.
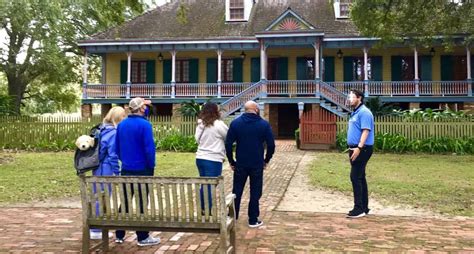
88,160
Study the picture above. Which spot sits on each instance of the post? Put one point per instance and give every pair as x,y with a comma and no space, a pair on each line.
469,74
84,75
219,73
173,74
261,109
129,73
316,46
417,78
366,72
263,67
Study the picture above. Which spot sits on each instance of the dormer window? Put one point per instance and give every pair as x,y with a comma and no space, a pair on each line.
341,8
236,9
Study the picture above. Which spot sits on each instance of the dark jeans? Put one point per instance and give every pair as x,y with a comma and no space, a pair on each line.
359,183
208,168
141,235
256,183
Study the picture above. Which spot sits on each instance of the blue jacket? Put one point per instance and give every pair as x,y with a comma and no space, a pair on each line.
135,145
250,132
107,155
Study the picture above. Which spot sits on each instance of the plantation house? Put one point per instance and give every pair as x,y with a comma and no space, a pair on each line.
289,55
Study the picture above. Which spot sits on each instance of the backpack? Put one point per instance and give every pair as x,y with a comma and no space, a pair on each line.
89,159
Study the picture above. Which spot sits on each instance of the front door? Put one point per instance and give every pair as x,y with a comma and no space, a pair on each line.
288,120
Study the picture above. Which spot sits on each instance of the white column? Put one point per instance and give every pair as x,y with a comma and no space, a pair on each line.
366,64
416,64
263,61
173,66
317,61
468,61
173,74
85,66
219,73
129,67
104,68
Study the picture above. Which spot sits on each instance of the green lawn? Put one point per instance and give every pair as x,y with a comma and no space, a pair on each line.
27,176
441,183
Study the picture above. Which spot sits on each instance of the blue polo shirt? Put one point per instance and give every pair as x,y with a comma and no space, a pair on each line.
360,120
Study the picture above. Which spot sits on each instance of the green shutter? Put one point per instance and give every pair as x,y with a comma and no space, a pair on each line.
211,73
425,69
446,68
255,69
150,72
329,69
301,68
123,72
282,68
237,72
348,68
194,71
396,68
376,66
166,71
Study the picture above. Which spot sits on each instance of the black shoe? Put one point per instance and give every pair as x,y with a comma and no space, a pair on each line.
355,214
367,211
256,224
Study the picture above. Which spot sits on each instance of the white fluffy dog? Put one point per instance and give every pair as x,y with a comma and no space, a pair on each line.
84,142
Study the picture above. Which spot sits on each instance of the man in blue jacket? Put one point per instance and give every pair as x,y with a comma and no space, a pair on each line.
136,150
250,132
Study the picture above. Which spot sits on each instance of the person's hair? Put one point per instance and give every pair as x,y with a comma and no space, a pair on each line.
209,113
358,94
114,116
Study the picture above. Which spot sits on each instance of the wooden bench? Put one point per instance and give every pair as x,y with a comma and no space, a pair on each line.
173,204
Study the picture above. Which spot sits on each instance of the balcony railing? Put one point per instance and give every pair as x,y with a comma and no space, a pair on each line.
278,88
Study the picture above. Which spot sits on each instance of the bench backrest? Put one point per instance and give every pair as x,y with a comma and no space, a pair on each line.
172,200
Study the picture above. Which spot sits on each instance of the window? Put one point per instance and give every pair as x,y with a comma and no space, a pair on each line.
344,10
236,9
182,71
358,69
138,72
227,70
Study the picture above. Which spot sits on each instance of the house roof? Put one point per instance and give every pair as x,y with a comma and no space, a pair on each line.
205,19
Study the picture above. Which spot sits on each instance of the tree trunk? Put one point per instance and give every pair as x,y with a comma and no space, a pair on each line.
16,90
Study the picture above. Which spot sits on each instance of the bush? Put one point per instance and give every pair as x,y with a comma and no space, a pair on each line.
297,138
177,143
399,144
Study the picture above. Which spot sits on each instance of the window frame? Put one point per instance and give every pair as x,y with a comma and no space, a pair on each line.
138,75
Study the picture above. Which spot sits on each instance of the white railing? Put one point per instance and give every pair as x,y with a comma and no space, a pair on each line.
443,88
235,103
196,90
345,87
150,90
105,91
293,87
333,95
231,89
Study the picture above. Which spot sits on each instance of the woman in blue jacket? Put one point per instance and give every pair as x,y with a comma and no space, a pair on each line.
108,158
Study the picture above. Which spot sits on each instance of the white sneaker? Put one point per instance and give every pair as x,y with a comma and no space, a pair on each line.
149,241
95,235
256,224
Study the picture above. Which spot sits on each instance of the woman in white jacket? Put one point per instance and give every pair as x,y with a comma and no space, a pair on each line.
210,136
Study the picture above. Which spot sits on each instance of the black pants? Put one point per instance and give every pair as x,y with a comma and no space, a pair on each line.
359,183
256,184
141,235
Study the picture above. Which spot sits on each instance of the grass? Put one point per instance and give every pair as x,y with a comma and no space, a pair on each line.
441,183
28,176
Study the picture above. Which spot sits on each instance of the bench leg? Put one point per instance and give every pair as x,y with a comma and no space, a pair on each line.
85,239
223,245
232,238
105,240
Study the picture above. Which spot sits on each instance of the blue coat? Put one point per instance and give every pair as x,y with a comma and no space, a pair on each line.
108,157
250,132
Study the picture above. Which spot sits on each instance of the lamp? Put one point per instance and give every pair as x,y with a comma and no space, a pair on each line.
339,54
432,51
243,55
160,57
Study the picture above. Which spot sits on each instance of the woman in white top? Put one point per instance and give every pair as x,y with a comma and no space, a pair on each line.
210,136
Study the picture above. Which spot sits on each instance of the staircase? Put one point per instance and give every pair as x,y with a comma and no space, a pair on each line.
235,103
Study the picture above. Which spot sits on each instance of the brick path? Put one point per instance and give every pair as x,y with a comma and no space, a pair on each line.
58,230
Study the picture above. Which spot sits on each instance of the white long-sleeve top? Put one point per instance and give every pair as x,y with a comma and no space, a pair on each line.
211,140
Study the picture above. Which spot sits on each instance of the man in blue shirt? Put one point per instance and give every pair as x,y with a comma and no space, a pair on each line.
136,150
360,139
250,132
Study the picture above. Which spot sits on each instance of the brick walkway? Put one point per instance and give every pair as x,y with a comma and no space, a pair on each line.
58,230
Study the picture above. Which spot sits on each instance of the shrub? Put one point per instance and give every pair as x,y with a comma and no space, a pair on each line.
177,143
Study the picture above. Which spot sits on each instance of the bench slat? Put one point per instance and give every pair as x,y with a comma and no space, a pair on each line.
144,188
168,201
128,192
205,188
214,203
190,201
154,179
175,202
114,199
161,201
182,197
93,200
152,201
107,201
122,201
198,201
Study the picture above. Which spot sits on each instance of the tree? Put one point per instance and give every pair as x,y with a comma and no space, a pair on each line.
420,21
41,41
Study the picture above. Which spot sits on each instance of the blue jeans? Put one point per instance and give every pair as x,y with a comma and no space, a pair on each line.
208,168
256,184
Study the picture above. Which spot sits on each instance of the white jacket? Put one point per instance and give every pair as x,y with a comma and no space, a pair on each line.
211,140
